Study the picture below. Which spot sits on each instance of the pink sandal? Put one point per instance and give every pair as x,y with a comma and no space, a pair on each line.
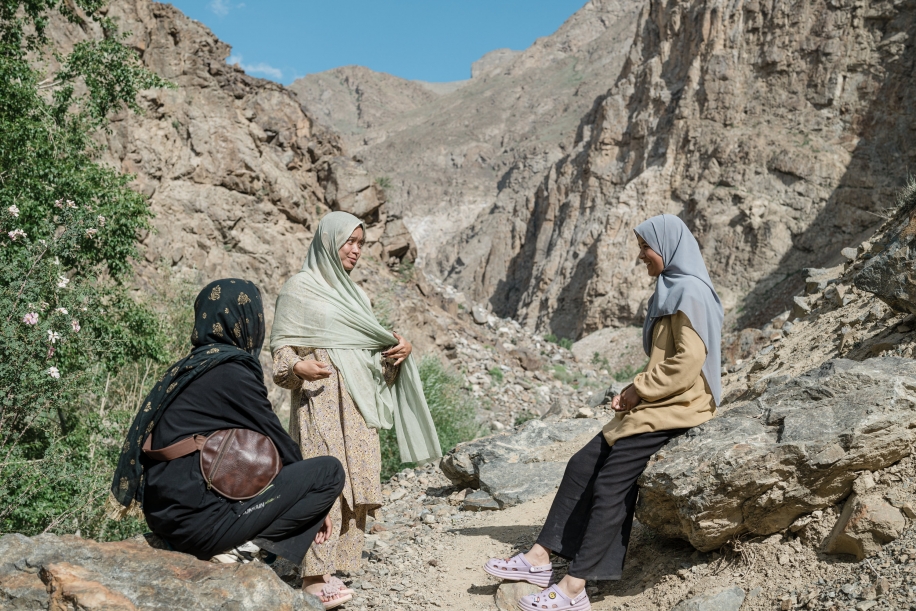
554,598
518,568
332,597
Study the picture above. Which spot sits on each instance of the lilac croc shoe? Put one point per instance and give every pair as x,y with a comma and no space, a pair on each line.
552,599
519,569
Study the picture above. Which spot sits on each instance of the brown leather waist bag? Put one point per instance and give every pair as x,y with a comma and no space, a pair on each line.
237,463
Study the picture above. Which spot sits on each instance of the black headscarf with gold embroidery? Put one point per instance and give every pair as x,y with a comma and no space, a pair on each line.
228,326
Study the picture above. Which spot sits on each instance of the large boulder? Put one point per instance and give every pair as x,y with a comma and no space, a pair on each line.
349,187
522,465
51,572
794,449
890,273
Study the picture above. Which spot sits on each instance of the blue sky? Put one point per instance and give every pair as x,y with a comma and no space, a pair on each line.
431,40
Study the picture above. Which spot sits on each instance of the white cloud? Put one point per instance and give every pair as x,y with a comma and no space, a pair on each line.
219,7
259,68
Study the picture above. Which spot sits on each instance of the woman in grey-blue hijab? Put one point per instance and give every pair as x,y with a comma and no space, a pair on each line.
592,514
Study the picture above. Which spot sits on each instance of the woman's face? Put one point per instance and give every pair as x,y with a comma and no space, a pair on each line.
653,261
352,249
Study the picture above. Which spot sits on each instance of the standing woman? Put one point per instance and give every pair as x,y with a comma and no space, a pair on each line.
590,520
349,377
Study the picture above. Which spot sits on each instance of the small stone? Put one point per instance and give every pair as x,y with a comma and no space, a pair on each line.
398,494
787,604
800,307
479,500
508,594
882,586
865,605
908,511
378,527
864,526
429,519
479,314
585,412
850,254
432,562
729,599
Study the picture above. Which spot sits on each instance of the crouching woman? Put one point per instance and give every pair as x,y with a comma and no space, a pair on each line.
590,520
220,385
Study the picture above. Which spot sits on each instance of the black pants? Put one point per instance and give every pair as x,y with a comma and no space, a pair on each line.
591,517
285,518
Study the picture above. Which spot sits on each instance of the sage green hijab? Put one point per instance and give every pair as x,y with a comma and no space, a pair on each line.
321,307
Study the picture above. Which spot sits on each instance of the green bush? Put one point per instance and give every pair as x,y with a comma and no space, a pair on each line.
452,413
628,372
68,232
562,342
497,374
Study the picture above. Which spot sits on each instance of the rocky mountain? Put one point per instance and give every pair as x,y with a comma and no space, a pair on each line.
774,129
449,156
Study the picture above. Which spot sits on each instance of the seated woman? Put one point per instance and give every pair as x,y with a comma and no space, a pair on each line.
590,520
220,385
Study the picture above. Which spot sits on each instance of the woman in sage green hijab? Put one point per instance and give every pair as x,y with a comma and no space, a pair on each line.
349,377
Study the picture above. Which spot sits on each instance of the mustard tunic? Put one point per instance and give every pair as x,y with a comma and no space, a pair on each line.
673,389
324,421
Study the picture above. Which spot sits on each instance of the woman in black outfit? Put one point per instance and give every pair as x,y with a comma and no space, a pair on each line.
220,385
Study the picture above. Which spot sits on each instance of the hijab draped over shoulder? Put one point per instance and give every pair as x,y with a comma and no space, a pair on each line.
321,307
684,285
228,326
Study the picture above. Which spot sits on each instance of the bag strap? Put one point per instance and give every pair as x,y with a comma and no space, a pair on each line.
176,450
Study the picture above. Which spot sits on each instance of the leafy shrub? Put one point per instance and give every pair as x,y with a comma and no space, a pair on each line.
68,231
628,372
451,412
562,342
497,374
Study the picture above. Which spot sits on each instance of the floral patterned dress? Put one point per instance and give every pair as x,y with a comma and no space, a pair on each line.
324,421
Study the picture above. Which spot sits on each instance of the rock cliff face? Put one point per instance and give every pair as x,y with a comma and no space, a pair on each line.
775,129
228,161
451,156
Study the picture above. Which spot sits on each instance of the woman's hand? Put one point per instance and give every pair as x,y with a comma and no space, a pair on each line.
399,352
312,370
626,400
324,533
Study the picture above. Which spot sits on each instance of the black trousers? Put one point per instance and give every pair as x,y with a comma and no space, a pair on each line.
283,519
591,517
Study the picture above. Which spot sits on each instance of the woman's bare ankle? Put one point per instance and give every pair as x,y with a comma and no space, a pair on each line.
538,555
571,586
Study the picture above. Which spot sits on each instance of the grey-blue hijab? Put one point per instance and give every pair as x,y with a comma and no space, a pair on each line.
684,286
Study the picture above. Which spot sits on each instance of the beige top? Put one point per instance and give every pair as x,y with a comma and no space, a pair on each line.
673,390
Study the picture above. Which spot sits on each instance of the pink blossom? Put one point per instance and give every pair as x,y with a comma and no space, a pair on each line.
70,204
53,336
54,372
62,282
76,326
101,220
90,233
61,310
16,234
14,211
50,352
59,203
31,318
